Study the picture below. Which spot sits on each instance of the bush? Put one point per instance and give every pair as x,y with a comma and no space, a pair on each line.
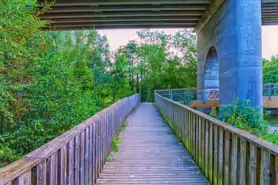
245,116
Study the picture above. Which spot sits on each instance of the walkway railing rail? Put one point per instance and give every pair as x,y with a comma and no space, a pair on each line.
188,95
76,157
270,90
225,154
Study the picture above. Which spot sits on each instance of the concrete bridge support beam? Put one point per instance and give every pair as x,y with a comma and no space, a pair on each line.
233,28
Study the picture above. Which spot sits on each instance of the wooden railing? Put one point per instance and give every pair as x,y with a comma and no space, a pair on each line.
190,94
270,90
76,157
226,155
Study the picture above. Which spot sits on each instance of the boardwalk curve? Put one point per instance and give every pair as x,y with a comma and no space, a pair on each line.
150,154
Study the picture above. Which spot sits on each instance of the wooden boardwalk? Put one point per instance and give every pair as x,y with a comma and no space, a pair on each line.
150,154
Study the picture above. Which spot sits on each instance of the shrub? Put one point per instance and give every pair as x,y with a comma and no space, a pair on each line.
245,116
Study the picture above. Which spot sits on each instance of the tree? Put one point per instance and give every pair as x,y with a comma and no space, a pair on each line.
162,61
270,70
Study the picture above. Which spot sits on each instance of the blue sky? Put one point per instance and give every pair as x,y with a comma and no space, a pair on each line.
121,37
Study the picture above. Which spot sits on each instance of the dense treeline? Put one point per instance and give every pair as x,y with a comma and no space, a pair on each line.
161,61
270,70
52,81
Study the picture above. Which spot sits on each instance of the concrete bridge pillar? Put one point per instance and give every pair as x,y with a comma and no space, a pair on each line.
232,30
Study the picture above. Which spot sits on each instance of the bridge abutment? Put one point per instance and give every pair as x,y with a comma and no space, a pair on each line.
234,30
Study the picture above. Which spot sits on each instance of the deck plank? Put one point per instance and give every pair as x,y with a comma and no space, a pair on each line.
150,154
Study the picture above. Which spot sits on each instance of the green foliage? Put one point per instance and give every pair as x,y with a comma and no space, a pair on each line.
270,70
115,144
161,61
123,127
109,159
244,116
49,81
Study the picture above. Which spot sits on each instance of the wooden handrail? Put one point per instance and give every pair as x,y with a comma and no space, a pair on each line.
75,157
268,90
276,84
225,154
159,90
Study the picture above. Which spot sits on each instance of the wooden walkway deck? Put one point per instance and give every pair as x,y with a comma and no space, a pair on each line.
150,154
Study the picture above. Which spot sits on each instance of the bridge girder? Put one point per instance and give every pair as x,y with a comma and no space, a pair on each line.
106,14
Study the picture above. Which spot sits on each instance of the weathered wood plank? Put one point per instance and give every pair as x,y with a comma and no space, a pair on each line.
211,152
207,148
190,133
41,173
94,153
187,144
91,155
181,123
203,151
215,155
221,157
265,171
253,165
235,161
14,170
242,161
71,162
200,149
276,170
102,131
25,178
87,140
272,169
194,137
63,165
101,139
98,148
82,159
77,160
53,169
10,183
227,157
196,142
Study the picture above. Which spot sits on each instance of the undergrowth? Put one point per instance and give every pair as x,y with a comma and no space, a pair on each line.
123,128
109,159
115,144
245,116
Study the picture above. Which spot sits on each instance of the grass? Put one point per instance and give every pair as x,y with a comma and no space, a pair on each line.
115,144
109,159
123,128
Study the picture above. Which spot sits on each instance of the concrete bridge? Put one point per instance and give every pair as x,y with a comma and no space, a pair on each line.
229,34
84,14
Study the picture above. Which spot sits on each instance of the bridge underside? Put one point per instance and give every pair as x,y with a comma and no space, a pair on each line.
107,14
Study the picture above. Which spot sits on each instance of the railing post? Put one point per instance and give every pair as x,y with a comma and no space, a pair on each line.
171,94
